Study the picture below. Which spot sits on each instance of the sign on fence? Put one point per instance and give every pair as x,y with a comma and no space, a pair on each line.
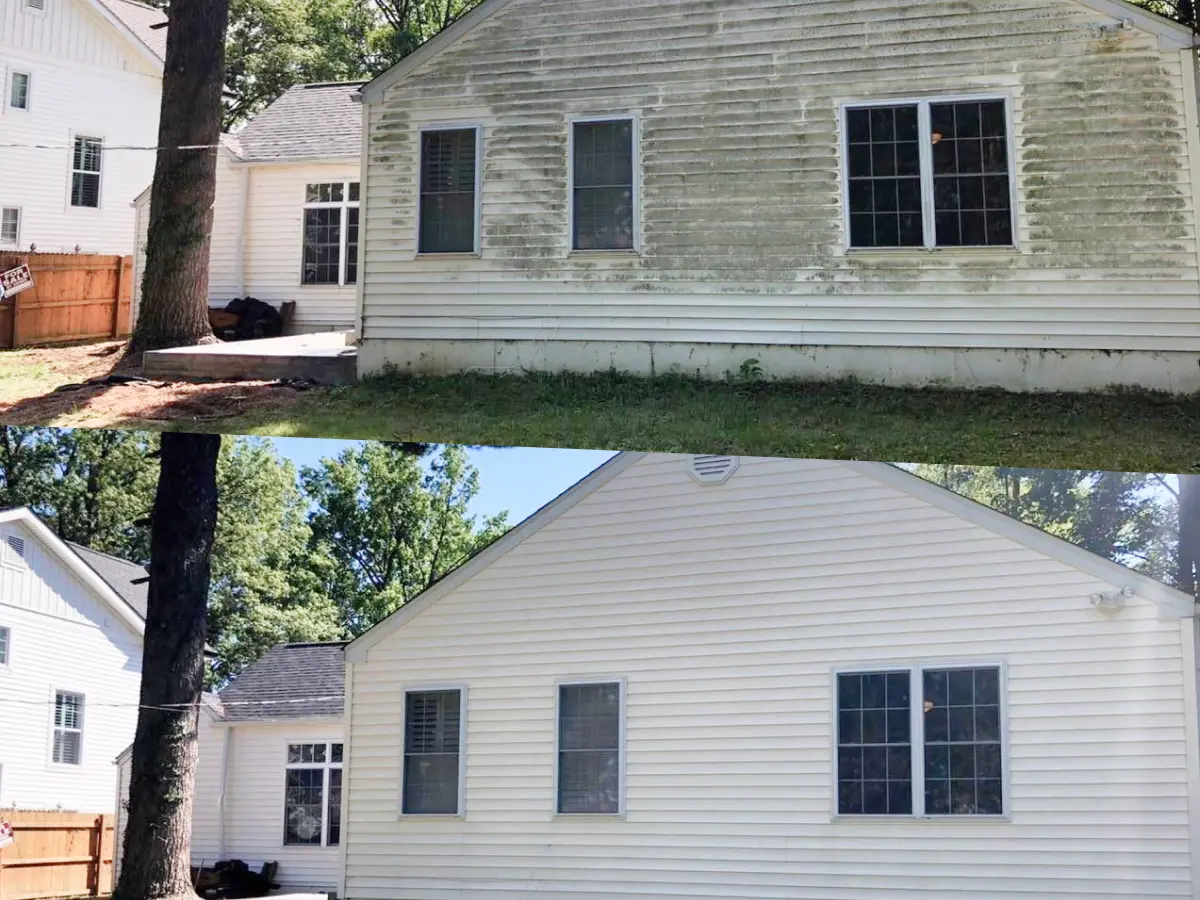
14,281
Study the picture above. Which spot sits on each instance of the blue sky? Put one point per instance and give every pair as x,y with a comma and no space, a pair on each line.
517,479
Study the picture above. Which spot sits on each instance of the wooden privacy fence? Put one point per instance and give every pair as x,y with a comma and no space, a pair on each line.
75,297
56,854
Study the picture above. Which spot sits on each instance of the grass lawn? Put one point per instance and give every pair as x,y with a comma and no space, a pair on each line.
1120,431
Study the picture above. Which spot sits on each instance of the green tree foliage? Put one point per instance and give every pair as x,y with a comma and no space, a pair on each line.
1182,11
391,528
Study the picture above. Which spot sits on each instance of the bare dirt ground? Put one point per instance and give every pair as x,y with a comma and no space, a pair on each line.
91,385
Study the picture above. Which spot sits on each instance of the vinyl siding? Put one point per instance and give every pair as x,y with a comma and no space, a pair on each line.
727,609
741,207
254,803
223,274
63,638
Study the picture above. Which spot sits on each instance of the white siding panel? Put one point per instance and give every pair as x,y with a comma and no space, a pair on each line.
727,609
70,31
741,206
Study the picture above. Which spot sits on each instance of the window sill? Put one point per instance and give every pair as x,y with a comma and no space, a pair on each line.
924,820
584,817
437,817
948,251
457,254
618,253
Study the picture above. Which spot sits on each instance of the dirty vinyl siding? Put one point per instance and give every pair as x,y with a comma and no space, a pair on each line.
741,206
726,609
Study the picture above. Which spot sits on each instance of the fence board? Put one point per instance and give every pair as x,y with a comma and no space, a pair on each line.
56,854
74,297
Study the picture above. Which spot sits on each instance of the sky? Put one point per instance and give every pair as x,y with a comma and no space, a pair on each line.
518,479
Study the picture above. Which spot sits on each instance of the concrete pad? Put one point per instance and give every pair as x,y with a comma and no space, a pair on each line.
326,358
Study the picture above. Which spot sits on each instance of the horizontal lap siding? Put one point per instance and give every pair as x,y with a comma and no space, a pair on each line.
227,244
741,203
725,609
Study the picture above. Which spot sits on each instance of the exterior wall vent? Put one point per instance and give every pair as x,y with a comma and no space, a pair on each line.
712,469
14,550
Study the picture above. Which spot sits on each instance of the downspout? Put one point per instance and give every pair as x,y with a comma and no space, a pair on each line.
363,167
226,739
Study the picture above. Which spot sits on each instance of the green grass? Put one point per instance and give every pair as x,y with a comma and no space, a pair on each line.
1131,431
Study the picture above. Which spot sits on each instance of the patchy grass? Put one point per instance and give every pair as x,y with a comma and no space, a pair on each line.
28,373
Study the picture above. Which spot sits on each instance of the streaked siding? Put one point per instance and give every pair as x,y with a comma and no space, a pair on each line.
726,609
741,207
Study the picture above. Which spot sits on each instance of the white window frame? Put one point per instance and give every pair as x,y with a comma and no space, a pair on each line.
20,216
477,244
54,727
345,205
461,812
72,172
8,91
915,672
621,745
325,767
635,137
925,145
6,634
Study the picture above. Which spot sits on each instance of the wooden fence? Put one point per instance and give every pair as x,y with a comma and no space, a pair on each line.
56,854
75,297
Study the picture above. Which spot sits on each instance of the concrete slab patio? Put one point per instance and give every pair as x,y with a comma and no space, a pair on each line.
326,358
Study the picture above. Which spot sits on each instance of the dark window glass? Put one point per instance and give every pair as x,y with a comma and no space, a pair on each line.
335,806
589,748
448,191
431,748
352,245
335,753
331,192
322,245
874,744
963,768
303,806
603,185
85,173
972,200
884,171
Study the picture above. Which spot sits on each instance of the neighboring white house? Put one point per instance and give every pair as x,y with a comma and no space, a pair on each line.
81,83
285,221
71,623
964,193
712,677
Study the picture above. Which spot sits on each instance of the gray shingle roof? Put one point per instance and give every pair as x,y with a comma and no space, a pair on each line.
141,18
120,575
310,121
290,681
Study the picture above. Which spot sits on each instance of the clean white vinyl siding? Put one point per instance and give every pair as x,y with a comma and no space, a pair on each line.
726,608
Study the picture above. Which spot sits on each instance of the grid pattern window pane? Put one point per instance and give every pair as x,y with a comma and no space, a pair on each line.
432,722
335,808
603,185
303,806
963,765
18,97
448,191
10,226
5,643
85,173
331,192
884,170
322,245
972,200
306,754
352,245
589,748
68,728
874,744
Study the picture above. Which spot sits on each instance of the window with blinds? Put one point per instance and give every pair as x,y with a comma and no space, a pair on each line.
432,752
85,172
10,226
449,181
18,90
589,748
68,728
602,185
5,644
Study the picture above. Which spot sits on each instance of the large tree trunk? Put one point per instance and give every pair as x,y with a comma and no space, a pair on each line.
174,307
1189,534
156,861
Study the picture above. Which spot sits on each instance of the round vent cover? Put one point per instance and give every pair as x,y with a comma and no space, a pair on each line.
712,469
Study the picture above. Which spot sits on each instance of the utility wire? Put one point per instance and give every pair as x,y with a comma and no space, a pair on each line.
103,147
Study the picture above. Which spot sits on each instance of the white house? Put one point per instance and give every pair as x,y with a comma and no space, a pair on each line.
964,193
82,86
711,677
285,221
71,624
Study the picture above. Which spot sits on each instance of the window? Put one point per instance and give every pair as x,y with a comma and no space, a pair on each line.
331,233
68,728
602,185
5,644
10,225
433,727
313,795
18,90
929,174
590,722
85,173
932,751
448,196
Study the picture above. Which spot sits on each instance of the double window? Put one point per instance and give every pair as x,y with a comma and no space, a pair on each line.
920,742
68,728
433,761
313,795
19,84
85,172
929,174
331,211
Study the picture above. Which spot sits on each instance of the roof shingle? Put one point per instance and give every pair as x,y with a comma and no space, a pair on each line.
290,681
126,578
310,121
144,21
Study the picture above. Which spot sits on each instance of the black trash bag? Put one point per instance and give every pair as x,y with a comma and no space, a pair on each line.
258,319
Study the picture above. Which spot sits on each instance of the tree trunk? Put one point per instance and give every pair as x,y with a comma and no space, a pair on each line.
1189,534
174,307
156,864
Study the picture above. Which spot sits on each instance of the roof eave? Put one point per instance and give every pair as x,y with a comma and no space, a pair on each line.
332,719
109,16
1171,35
248,161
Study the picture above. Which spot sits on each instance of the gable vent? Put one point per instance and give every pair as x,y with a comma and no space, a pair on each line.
712,469
14,551
39,5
